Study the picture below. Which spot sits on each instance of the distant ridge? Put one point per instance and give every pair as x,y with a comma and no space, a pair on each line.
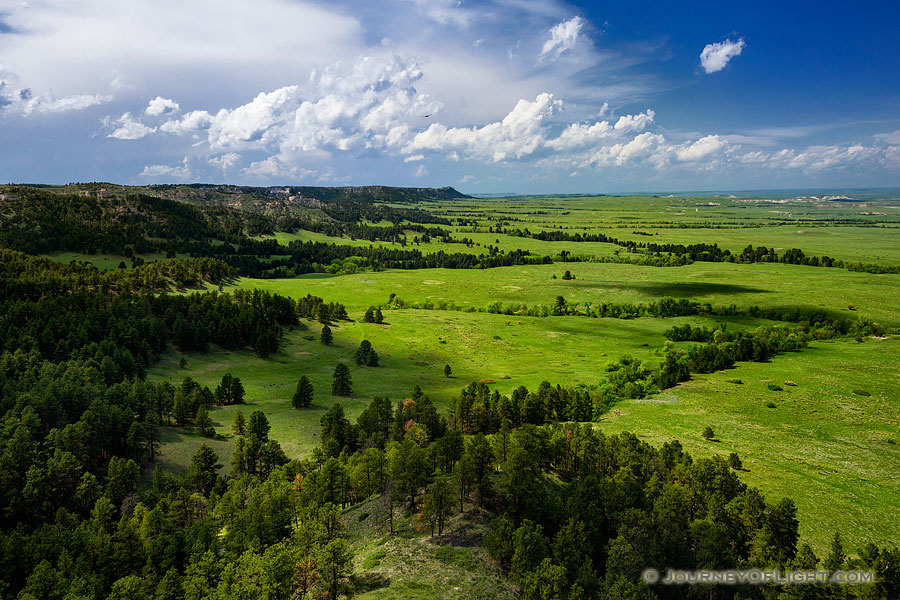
378,193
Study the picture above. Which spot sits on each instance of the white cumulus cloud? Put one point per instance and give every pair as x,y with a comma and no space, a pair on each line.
166,172
160,106
226,162
716,56
519,134
130,129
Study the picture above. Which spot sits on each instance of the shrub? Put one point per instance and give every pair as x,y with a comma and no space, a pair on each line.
774,387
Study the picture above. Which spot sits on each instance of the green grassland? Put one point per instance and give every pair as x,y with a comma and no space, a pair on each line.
760,284
413,348
832,449
826,445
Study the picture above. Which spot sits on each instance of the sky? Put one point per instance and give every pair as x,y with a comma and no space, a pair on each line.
492,96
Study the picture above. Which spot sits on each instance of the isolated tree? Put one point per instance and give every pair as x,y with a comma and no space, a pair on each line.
734,461
567,275
203,423
369,317
708,433
303,397
342,383
447,371
326,338
238,424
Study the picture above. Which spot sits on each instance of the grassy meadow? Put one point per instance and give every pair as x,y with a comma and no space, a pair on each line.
830,442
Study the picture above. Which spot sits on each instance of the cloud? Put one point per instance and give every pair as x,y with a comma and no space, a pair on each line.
889,138
160,106
519,134
368,107
273,167
700,149
444,12
563,37
639,122
48,104
716,56
166,173
226,162
130,129
421,171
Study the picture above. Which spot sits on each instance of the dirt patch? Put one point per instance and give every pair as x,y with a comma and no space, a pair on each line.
433,282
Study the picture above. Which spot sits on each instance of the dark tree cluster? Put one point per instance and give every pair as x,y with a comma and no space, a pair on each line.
366,355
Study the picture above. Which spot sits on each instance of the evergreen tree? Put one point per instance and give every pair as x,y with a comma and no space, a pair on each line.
447,371
437,505
366,355
379,318
708,433
326,337
203,423
369,317
334,566
204,469
237,426
258,427
322,313
303,397
342,383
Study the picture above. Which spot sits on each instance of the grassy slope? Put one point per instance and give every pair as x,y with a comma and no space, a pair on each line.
832,450
413,349
413,565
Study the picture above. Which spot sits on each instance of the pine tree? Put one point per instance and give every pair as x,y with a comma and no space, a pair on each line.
303,397
322,313
366,355
342,384
369,317
237,426
203,423
708,433
327,338
447,371
379,318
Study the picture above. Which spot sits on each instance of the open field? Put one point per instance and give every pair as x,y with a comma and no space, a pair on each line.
825,444
761,284
413,348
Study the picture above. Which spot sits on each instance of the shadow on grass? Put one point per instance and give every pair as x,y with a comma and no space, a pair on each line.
681,290
371,581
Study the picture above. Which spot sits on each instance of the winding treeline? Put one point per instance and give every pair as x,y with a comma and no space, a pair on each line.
702,252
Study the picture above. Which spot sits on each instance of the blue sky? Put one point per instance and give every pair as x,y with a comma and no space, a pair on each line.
526,96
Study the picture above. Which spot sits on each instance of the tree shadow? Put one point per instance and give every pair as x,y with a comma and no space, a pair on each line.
681,289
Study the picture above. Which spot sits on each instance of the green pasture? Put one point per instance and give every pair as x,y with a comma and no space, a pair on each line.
831,442
762,284
413,346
